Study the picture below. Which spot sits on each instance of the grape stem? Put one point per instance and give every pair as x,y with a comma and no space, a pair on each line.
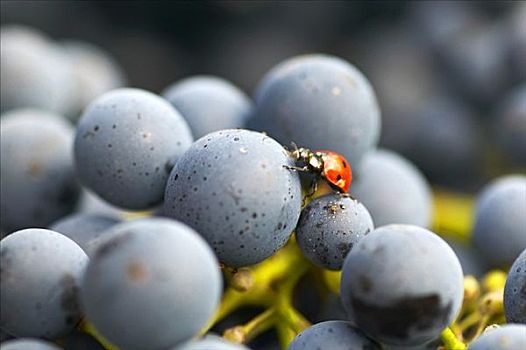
450,340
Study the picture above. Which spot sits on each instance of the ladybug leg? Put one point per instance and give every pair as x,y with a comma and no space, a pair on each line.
313,188
347,194
304,169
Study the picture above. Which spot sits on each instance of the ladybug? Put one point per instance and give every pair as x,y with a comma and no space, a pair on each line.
328,165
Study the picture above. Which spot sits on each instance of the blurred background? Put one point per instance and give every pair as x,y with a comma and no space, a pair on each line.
449,75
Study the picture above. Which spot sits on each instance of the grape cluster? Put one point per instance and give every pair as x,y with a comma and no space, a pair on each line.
133,220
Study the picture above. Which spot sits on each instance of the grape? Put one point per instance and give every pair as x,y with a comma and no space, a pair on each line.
37,179
510,123
28,344
209,104
127,142
319,102
211,342
95,71
334,335
498,231
34,72
153,284
41,272
83,228
506,337
233,188
402,285
515,291
329,227
393,190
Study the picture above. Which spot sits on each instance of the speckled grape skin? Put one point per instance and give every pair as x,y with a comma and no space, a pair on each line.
500,222
402,285
41,272
318,102
127,142
506,337
334,335
83,228
152,285
329,227
34,72
515,291
28,344
233,188
37,180
393,190
211,342
209,103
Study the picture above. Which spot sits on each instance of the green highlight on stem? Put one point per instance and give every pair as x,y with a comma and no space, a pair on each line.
450,340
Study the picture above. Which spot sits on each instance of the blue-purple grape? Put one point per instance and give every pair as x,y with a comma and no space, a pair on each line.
515,291
38,184
41,274
233,188
211,342
506,337
318,102
209,103
393,190
151,285
329,227
28,344
402,285
127,142
498,230
35,72
333,335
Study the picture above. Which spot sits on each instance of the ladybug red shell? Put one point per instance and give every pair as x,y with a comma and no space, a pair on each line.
336,170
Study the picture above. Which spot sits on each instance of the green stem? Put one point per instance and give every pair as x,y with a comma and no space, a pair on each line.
450,340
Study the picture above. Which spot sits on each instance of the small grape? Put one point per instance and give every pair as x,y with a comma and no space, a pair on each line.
402,285
329,227
393,190
151,285
126,144
35,72
209,104
515,291
506,337
41,272
334,335
232,187
498,231
211,342
37,180
28,344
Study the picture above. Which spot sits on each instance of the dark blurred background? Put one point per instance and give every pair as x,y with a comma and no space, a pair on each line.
444,72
